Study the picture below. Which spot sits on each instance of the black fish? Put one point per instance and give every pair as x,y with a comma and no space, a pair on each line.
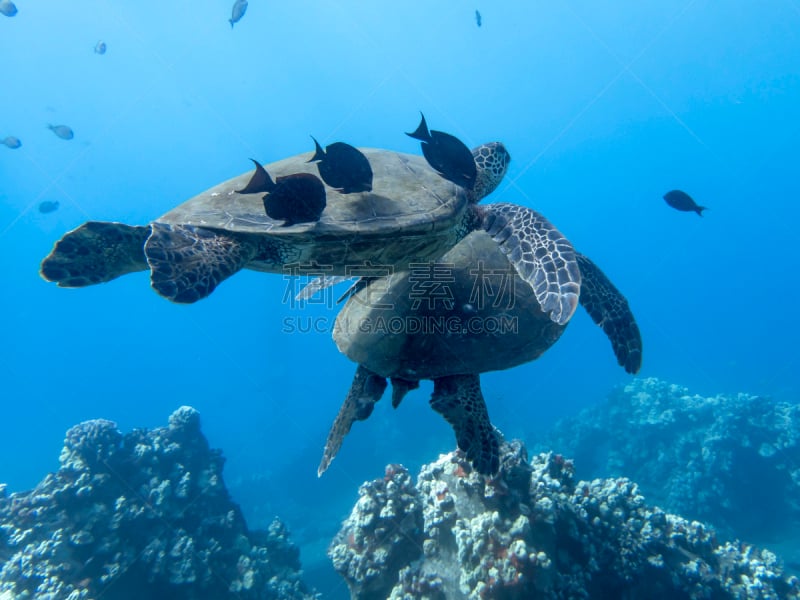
682,201
343,167
48,206
447,154
297,198
478,19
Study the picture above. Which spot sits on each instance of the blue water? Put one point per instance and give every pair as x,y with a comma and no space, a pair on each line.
603,107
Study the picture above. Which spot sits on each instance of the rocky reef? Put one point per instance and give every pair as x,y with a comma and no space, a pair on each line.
140,515
733,461
536,532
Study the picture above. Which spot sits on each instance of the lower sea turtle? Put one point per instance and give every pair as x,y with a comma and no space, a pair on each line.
411,215
468,314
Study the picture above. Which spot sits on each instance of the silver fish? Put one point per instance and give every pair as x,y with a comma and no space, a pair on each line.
11,142
100,47
7,8
62,131
237,12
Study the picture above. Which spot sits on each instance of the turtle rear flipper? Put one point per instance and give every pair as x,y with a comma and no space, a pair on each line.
459,400
609,309
187,263
96,252
541,255
366,389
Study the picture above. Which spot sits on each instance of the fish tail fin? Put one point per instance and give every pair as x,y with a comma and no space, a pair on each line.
266,180
231,22
319,153
421,133
259,182
699,210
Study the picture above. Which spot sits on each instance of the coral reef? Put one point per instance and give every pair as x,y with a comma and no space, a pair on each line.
534,532
733,461
141,515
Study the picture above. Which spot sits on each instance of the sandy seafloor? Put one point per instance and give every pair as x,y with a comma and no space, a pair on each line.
603,107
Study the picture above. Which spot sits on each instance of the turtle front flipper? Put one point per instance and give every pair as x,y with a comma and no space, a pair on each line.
458,398
541,255
187,263
609,309
366,389
96,252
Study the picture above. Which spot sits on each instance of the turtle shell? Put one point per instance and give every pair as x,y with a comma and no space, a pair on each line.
410,214
466,313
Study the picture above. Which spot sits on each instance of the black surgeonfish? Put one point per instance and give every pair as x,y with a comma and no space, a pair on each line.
298,198
478,18
343,167
682,201
447,154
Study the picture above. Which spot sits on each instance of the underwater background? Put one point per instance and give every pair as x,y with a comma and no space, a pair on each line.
604,108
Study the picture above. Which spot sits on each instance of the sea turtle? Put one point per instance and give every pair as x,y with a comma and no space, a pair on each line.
411,215
470,314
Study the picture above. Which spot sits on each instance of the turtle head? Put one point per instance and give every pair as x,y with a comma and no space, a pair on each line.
491,161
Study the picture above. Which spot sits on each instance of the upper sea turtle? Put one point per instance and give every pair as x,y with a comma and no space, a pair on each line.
411,215
470,314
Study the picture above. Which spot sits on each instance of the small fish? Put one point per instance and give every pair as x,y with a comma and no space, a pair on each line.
62,131
237,12
48,206
100,47
447,154
343,167
682,201
297,198
478,19
11,142
7,8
